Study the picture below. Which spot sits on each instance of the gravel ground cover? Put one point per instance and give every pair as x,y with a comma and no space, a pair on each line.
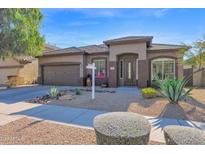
105,101
199,95
30,131
159,107
192,109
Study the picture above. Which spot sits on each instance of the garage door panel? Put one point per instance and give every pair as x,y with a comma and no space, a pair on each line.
62,75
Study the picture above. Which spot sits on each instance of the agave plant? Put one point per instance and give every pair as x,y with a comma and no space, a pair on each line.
77,91
53,92
173,90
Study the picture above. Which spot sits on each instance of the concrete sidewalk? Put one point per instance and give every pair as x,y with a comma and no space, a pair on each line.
78,116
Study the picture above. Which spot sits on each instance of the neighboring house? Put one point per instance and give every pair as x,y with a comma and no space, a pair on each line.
126,61
25,68
50,47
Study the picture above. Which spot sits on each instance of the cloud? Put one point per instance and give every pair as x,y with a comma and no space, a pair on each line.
155,12
82,23
97,13
87,12
160,12
109,12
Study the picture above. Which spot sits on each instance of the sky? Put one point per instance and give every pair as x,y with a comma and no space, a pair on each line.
81,27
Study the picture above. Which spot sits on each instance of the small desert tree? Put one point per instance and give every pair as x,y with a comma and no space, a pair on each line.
195,55
19,32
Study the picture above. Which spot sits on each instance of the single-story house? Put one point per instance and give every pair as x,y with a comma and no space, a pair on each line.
22,68
126,61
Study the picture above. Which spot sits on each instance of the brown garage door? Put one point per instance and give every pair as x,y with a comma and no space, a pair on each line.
62,75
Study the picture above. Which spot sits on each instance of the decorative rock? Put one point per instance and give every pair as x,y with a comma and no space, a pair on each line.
41,100
121,128
180,135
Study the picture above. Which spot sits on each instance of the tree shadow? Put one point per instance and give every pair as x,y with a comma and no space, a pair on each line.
191,100
173,114
30,124
174,111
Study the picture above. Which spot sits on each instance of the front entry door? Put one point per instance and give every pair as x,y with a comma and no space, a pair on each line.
127,70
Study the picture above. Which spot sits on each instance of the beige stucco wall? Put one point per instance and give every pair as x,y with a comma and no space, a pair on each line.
29,72
11,67
8,67
199,78
62,58
138,48
118,49
4,72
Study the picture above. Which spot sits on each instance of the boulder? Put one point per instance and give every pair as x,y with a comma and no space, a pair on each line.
121,128
180,135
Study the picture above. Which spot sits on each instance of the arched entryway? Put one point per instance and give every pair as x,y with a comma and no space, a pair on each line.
127,69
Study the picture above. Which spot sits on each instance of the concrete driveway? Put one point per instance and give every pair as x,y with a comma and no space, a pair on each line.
13,106
15,95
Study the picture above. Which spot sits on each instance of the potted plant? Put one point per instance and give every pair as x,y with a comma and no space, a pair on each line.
88,80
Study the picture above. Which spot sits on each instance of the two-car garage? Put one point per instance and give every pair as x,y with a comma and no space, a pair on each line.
61,75
62,67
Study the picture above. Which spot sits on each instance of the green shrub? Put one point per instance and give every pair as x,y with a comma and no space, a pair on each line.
77,91
149,92
173,90
53,92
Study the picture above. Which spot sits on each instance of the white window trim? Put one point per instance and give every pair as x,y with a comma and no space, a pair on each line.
163,60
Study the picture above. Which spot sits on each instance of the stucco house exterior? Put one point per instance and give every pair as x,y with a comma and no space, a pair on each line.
126,61
25,68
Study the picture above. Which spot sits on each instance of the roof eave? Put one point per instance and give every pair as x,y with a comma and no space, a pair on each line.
60,54
168,49
97,53
124,41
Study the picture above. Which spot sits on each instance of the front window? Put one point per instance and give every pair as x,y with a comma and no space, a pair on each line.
100,71
162,68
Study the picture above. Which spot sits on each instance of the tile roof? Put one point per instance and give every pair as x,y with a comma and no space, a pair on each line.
95,48
50,47
102,48
63,51
23,59
84,49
